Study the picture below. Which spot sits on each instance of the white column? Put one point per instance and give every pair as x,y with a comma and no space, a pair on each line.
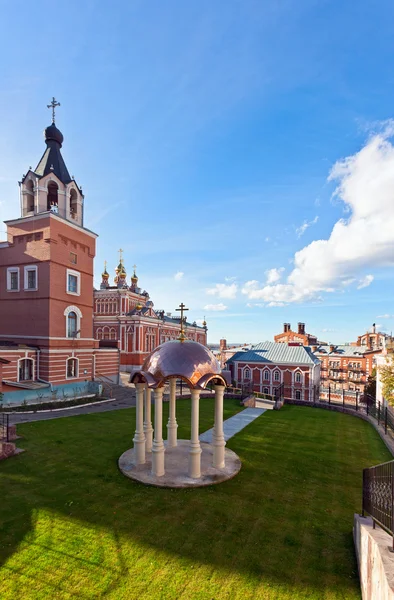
148,429
218,437
158,444
172,425
139,437
195,448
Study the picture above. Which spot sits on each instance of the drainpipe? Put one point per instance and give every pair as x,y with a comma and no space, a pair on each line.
38,372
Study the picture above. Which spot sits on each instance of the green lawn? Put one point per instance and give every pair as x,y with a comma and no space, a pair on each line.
73,527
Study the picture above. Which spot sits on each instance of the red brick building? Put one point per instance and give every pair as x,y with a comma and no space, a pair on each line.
46,285
288,335
126,313
268,365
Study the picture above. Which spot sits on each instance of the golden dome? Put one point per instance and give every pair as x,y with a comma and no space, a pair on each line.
186,359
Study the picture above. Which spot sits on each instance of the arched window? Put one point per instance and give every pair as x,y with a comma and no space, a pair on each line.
72,323
266,375
30,196
99,334
26,369
298,377
265,390
52,202
247,373
113,334
276,376
73,204
72,367
298,394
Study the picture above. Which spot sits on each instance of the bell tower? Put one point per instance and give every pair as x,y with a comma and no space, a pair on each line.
49,187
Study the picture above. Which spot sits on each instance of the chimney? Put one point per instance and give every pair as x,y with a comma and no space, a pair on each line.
223,344
373,327
284,327
332,348
301,328
314,348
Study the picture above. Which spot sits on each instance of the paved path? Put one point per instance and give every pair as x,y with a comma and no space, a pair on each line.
234,424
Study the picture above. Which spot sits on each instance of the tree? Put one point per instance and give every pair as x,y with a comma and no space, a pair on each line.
386,373
370,386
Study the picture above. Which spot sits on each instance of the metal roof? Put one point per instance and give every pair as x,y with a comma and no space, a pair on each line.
277,353
343,350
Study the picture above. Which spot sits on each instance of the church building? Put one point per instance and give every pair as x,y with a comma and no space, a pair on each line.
125,314
47,346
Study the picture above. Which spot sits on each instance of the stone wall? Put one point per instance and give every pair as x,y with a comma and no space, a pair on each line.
375,560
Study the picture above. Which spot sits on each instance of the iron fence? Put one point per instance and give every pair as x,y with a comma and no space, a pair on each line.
5,427
378,496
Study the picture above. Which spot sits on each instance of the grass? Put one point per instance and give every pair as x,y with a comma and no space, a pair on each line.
73,527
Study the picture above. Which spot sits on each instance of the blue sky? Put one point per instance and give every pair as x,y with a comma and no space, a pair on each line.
204,135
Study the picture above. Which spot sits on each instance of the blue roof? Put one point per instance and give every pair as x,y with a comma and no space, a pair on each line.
276,353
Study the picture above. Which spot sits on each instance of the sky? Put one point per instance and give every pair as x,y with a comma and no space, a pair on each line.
240,152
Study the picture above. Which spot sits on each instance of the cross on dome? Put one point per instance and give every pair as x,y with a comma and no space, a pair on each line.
53,105
182,308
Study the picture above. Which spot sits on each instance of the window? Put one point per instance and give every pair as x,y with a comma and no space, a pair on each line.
265,390
298,377
30,196
13,279
73,258
247,373
266,375
298,395
73,204
73,282
72,322
276,376
26,369
72,367
31,278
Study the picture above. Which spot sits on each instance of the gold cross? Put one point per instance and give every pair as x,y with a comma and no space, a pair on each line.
120,255
105,265
134,267
53,105
182,308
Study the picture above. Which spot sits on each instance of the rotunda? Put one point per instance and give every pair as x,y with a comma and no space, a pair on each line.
173,462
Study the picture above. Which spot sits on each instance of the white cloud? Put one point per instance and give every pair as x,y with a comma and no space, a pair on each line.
267,239
276,304
302,228
328,330
215,307
230,278
178,276
364,240
386,316
365,282
274,275
223,291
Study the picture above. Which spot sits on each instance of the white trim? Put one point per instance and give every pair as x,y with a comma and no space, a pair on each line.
76,274
26,278
42,337
273,375
9,271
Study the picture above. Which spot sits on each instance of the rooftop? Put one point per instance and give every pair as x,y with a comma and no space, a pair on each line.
272,352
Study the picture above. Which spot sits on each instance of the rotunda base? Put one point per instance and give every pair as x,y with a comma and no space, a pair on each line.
176,463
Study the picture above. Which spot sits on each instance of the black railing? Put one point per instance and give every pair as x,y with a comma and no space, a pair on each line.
378,495
5,427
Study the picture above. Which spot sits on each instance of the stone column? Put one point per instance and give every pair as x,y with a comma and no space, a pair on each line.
139,437
195,448
218,436
158,444
172,425
148,429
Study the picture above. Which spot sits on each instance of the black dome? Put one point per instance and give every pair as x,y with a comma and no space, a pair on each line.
53,133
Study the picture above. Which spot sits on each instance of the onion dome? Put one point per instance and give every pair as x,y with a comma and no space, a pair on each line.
52,133
204,323
139,306
105,274
134,279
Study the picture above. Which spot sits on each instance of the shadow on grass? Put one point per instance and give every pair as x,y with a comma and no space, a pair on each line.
70,519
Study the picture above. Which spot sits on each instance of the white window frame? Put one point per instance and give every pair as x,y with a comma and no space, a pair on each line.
33,368
72,358
298,393
295,377
266,372
26,278
276,373
9,271
76,274
247,370
79,317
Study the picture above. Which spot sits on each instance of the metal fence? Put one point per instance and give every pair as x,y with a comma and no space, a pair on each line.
378,495
5,427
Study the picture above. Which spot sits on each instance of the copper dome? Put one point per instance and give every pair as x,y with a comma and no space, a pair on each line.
186,359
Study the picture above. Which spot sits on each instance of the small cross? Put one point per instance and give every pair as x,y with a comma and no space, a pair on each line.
120,255
134,267
53,105
105,265
182,308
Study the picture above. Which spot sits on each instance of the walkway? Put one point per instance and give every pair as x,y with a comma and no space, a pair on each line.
235,424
